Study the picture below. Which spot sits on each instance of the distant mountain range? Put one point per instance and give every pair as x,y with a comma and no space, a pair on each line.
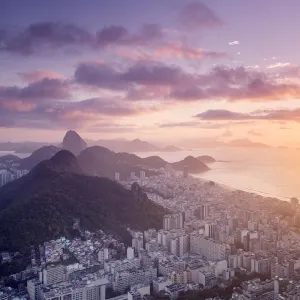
43,205
135,145
101,161
246,143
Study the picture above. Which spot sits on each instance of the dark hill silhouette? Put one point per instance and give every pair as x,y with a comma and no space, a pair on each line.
46,152
43,204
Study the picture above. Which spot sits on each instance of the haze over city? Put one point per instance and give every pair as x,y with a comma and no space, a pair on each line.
149,150
206,70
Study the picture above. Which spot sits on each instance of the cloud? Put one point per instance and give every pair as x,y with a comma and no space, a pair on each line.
172,50
56,35
196,15
181,51
292,71
233,43
227,133
99,75
23,98
65,114
254,133
221,83
278,65
121,36
222,114
235,84
141,73
268,114
38,75
45,34
179,124
202,125
104,127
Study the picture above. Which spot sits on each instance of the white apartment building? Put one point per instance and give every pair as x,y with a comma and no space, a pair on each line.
207,247
34,287
85,290
53,274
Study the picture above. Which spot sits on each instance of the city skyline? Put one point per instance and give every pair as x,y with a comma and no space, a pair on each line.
200,69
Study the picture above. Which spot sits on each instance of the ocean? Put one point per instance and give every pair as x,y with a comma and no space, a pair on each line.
268,172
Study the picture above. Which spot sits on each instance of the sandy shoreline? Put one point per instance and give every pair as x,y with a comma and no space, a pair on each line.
252,191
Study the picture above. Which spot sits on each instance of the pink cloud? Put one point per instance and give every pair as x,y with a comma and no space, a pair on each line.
38,75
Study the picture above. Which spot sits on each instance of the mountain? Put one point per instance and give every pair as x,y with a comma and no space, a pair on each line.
194,165
73,142
246,143
43,205
170,148
101,161
38,156
142,146
20,147
154,162
206,159
135,145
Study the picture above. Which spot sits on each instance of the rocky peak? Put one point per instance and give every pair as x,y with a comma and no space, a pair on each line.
73,142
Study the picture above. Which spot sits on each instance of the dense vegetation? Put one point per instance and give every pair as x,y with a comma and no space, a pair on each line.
43,204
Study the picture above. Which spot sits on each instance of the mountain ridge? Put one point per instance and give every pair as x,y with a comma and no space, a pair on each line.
43,204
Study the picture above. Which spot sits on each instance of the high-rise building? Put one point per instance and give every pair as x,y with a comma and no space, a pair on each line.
53,274
138,243
174,245
207,247
173,221
34,289
117,176
294,203
185,172
210,230
4,177
169,170
132,175
86,290
184,244
130,253
142,175
103,255
202,212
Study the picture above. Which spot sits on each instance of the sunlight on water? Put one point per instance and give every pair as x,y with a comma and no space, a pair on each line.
270,172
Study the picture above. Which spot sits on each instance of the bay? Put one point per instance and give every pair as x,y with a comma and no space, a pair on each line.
270,172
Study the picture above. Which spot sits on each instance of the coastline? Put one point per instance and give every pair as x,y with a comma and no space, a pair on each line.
246,190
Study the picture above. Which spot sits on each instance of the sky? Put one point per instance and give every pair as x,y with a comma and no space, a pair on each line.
164,71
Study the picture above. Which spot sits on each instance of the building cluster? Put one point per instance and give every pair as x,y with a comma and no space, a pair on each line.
212,238
9,175
10,171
